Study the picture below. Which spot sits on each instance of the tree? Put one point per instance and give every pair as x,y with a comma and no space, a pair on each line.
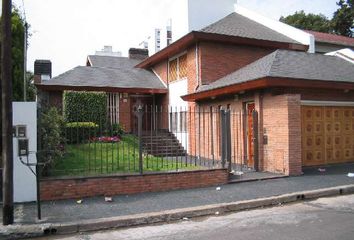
315,22
342,22
18,38
31,89
343,18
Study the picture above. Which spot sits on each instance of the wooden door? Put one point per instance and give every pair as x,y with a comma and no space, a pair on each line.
250,149
327,135
146,102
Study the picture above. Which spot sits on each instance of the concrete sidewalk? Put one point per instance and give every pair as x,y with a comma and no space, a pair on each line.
93,208
65,211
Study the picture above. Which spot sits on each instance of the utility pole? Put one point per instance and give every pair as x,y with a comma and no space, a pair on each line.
25,33
6,113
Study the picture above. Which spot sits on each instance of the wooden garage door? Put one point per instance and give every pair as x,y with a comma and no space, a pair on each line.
327,135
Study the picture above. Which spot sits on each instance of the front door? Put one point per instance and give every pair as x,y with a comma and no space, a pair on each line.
249,122
146,101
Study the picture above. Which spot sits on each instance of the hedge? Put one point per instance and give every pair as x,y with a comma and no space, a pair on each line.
85,107
80,132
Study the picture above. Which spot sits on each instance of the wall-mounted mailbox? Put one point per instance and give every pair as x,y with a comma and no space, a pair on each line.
22,147
21,131
14,131
265,139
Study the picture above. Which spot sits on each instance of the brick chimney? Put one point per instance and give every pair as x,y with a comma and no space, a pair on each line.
42,71
138,53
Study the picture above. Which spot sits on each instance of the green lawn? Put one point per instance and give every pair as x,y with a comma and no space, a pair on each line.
96,158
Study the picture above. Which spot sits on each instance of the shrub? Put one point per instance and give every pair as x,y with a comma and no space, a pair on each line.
81,125
85,107
80,132
117,129
51,125
50,131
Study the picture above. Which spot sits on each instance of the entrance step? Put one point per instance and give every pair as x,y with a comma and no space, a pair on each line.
162,143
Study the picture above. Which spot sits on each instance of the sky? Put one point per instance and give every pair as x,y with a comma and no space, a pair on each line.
66,31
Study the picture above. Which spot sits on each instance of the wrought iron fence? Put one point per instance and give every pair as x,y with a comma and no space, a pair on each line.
145,139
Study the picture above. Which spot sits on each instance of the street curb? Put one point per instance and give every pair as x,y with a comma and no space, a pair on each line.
170,215
256,179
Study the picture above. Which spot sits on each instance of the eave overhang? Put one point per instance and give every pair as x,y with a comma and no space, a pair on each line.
100,89
195,36
268,82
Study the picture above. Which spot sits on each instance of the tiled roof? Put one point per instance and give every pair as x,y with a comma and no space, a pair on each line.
237,25
106,77
290,64
332,38
112,62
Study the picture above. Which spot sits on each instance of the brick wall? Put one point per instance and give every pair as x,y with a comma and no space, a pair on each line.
218,60
121,185
161,70
56,99
206,137
125,113
326,95
318,94
282,124
162,111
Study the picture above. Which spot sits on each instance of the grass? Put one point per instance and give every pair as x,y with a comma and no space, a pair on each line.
96,158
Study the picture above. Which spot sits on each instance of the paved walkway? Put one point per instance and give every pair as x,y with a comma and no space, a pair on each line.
93,208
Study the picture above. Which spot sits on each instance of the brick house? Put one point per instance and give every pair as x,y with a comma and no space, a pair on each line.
305,101
126,86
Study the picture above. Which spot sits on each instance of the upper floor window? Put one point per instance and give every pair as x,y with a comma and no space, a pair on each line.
178,68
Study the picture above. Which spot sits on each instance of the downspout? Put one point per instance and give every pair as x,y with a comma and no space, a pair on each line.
197,66
261,133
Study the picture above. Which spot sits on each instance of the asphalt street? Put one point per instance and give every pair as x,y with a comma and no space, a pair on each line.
326,218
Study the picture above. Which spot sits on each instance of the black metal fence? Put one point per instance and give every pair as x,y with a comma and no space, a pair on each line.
146,139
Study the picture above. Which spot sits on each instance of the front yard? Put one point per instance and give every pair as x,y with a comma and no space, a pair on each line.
102,157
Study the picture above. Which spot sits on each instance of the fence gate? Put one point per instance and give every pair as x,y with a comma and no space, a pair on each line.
239,140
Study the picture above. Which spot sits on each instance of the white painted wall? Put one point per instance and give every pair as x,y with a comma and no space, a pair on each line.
25,190
185,16
179,18
289,31
176,90
346,54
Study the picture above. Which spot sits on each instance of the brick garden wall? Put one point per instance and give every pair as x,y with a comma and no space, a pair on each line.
55,189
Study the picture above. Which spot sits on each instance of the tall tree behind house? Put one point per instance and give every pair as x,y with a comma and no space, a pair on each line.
342,22
18,38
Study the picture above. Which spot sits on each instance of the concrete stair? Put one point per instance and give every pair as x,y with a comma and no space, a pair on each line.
162,143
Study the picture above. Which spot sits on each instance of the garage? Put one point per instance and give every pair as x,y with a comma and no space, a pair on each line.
327,134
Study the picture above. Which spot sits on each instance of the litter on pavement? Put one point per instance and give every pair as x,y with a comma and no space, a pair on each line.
79,201
350,175
218,188
321,169
108,199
